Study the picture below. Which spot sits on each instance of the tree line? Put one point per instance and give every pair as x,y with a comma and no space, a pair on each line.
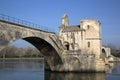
13,51
115,51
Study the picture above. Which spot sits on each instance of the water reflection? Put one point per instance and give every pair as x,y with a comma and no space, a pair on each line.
75,76
115,72
21,64
34,70
116,69
21,70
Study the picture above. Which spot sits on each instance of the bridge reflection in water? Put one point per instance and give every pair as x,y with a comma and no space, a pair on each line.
33,69
113,73
74,76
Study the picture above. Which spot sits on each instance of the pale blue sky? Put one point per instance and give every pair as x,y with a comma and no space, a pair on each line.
49,12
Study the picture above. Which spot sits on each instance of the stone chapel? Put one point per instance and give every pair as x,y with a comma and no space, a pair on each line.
82,39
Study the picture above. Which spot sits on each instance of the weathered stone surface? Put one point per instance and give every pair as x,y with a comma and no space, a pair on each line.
45,42
77,49
82,45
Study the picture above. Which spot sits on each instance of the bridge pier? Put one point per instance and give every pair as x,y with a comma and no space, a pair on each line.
98,66
73,64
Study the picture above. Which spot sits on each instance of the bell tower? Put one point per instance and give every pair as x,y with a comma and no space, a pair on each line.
65,23
65,20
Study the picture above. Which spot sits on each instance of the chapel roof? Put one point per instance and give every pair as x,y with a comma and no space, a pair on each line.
72,28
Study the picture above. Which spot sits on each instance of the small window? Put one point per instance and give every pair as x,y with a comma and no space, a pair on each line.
67,47
88,44
88,26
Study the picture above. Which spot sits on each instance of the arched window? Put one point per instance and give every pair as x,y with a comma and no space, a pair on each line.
88,44
66,45
76,46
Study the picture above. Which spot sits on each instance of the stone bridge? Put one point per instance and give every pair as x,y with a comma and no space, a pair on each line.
46,42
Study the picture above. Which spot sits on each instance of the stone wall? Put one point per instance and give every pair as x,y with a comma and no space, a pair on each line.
92,37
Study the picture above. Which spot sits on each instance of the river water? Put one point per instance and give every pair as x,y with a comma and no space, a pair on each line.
34,70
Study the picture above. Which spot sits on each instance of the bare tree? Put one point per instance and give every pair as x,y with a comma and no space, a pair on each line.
114,50
12,51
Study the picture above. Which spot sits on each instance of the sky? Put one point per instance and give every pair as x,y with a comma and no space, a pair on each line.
49,13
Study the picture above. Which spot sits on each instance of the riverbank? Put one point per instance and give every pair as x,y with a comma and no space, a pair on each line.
23,58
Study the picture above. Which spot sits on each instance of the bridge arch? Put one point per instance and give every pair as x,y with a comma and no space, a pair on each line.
106,52
46,42
51,55
104,55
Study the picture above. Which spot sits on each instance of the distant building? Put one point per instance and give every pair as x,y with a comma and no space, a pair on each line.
83,39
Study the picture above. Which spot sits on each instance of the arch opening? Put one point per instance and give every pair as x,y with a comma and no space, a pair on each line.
49,53
104,54
45,48
66,46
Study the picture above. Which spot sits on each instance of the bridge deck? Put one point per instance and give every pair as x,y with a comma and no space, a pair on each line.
23,23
